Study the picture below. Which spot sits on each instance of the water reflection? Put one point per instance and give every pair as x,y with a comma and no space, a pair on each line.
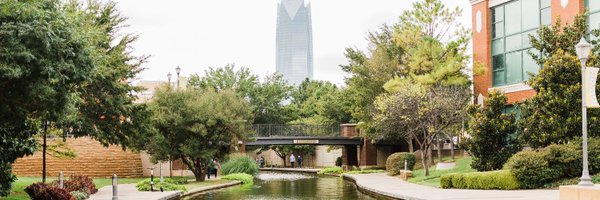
273,185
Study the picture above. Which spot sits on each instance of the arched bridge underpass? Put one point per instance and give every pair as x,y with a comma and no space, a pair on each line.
356,150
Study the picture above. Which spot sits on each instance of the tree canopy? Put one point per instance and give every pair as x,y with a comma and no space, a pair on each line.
197,126
67,64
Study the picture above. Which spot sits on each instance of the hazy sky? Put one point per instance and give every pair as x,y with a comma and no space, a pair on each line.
197,34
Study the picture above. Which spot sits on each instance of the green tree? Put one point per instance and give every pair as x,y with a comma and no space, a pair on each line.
264,97
318,103
420,113
197,126
491,130
66,64
544,119
420,48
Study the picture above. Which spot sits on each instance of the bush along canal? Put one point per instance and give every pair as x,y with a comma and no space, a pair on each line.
284,185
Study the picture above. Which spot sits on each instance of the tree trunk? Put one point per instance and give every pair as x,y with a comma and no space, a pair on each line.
197,168
430,154
411,148
424,161
284,163
439,149
452,148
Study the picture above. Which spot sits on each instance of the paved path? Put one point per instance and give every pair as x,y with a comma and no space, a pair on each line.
129,192
306,170
395,187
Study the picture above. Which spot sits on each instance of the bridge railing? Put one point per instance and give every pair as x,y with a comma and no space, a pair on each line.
279,130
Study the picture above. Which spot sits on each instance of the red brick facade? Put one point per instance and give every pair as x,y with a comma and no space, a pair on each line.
481,19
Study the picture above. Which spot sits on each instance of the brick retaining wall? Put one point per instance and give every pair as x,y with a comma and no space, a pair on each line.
92,159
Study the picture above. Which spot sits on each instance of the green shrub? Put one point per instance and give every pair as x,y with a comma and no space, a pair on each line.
176,180
532,168
593,153
395,162
566,159
244,178
492,180
240,164
446,180
331,170
339,161
167,185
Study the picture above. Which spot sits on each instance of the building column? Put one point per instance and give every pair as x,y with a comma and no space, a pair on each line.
566,10
368,154
349,156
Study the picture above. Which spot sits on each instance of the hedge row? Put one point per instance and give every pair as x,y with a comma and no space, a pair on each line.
499,180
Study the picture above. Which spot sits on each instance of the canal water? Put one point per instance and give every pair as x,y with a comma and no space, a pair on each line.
276,185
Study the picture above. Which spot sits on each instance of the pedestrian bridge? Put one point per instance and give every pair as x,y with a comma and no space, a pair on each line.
355,149
277,134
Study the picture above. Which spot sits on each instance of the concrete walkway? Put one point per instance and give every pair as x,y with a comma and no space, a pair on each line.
396,188
129,192
305,170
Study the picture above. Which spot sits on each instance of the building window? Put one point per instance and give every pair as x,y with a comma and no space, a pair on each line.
512,23
594,8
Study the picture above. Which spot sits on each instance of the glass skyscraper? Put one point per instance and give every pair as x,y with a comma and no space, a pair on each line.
294,56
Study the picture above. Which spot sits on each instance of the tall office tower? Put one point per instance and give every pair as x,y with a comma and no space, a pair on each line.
294,56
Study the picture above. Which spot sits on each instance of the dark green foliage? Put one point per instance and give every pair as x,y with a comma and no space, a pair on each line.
166,185
68,64
240,164
197,126
553,115
532,168
492,180
41,191
555,162
338,161
593,153
565,159
491,143
395,162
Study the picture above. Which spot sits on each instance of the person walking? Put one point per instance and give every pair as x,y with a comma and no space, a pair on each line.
209,169
299,161
292,160
262,161
216,167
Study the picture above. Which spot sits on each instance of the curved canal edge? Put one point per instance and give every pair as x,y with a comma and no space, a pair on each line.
209,188
372,191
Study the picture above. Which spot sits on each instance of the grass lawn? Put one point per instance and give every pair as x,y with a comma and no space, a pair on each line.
18,189
463,165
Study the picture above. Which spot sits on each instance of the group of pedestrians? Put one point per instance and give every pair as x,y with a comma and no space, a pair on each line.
293,160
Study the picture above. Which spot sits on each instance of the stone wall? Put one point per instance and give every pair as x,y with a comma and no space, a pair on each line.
92,159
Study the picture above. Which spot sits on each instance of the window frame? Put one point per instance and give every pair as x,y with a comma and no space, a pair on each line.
523,48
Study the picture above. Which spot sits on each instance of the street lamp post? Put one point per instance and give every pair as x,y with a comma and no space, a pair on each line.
178,70
583,49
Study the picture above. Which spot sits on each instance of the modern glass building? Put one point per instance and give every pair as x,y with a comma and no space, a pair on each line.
500,40
294,56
